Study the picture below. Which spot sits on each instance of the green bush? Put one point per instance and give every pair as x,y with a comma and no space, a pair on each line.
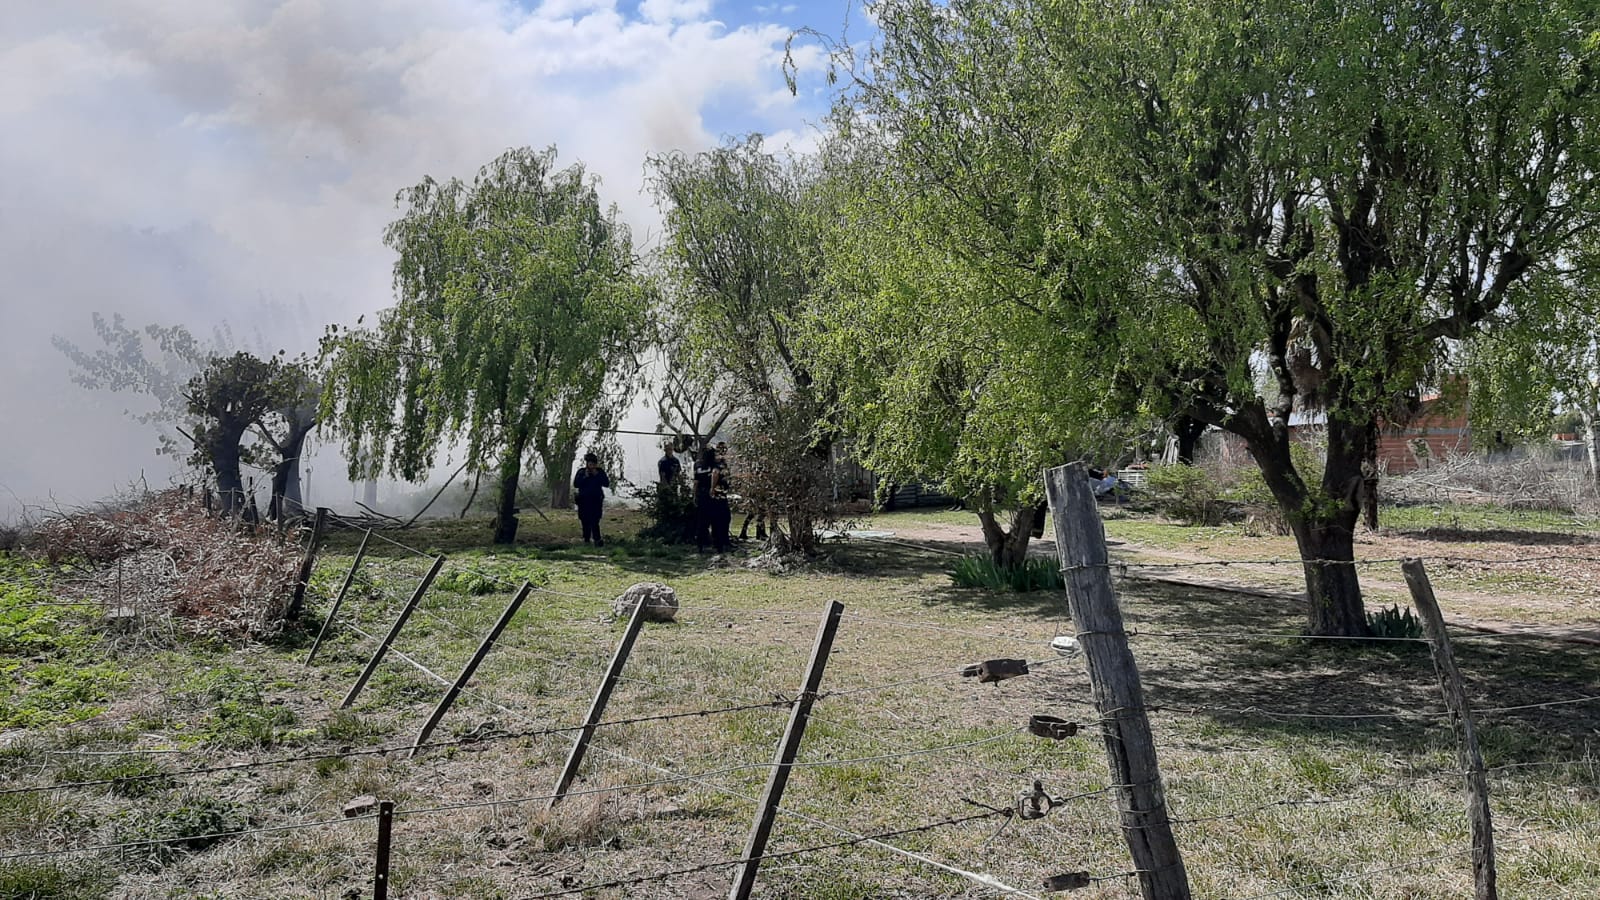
1186,493
1033,575
1394,622
1250,489
671,511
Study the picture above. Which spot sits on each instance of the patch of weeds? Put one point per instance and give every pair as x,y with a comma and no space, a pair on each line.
47,675
239,717
129,776
159,836
1315,770
30,814
327,768
475,886
851,783
578,822
52,881
349,727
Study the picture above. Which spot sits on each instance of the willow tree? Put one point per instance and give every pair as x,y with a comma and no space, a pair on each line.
950,391
514,329
1327,194
741,251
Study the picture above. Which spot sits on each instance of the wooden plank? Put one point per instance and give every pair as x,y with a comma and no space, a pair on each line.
338,600
597,707
1116,686
744,879
471,667
394,631
1467,751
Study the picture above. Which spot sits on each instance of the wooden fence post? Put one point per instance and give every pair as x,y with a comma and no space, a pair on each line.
338,600
318,528
380,879
1114,680
394,631
597,708
1467,752
744,878
471,667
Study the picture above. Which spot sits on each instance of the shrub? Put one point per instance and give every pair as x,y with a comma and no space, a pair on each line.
1033,575
671,511
1394,622
1186,493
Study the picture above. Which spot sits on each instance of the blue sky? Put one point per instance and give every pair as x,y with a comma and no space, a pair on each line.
207,161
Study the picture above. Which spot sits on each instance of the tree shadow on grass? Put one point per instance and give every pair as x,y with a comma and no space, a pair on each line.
1503,536
1198,658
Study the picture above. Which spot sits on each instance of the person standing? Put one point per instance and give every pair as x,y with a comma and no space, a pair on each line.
589,485
722,507
667,467
705,472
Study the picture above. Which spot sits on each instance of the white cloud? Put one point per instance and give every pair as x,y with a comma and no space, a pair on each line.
179,160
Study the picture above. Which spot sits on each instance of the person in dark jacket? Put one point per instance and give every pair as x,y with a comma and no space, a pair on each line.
589,487
705,472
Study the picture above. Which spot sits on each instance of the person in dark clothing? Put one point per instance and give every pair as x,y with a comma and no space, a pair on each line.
705,469
589,487
721,506
667,467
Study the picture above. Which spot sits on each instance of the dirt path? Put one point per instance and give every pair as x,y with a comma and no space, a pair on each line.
961,540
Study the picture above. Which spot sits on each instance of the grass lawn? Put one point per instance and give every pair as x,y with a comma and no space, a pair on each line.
1269,790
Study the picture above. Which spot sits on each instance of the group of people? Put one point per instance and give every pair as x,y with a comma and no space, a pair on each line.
712,495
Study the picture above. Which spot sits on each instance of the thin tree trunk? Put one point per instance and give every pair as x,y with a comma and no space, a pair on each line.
505,522
1591,443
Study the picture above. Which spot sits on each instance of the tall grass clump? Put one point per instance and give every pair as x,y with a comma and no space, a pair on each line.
1032,575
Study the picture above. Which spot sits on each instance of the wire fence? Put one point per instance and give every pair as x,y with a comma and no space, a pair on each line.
1013,795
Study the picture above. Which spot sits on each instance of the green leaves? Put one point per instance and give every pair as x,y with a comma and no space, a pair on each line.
517,317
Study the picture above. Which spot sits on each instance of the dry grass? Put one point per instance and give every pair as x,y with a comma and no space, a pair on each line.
744,636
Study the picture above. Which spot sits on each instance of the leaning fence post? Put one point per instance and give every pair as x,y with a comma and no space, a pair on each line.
394,631
1467,752
1114,680
471,667
597,708
318,528
338,599
380,879
744,879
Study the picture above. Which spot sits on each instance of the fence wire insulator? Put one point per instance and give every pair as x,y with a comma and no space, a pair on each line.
995,670
1052,727
1067,881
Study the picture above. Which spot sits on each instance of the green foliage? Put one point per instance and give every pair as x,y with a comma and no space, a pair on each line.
1035,574
1165,202
237,715
1394,622
671,510
191,823
50,880
48,673
1187,493
130,776
516,324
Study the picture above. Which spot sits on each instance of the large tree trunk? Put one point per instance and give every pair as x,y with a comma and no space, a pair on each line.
224,453
286,499
505,521
1323,523
1188,431
1008,548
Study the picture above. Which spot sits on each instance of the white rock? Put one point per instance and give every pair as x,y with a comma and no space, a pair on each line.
660,601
